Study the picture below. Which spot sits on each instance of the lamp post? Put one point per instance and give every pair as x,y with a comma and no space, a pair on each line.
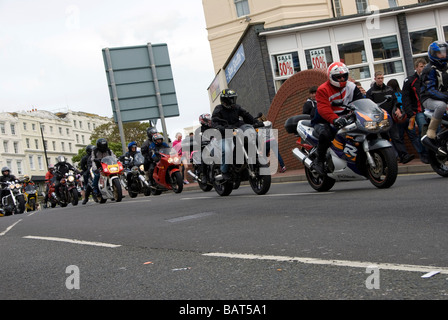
43,143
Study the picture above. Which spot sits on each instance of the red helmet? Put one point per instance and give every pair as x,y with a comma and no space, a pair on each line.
338,74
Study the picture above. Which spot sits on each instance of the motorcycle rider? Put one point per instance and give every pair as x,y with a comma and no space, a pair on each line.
336,87
60,169
156,145
27,180
434,92
205,120
150,132
227,115
102,150
6,176
132,150
86,164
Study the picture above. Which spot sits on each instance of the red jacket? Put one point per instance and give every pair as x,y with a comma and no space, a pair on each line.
48,176
326,93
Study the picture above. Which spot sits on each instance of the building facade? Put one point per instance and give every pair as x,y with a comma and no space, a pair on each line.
32,140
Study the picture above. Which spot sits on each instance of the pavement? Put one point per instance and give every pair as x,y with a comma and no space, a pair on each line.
414,166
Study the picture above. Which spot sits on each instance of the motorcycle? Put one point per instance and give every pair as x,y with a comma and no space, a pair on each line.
109,183
68,189
30,192
14,202
358,151
166,175
200,172
437,161
135,165
248,163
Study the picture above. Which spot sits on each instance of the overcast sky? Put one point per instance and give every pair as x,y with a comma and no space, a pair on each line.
51,58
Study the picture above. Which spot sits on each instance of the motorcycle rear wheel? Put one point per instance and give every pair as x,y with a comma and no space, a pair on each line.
318,182
438,164
386,168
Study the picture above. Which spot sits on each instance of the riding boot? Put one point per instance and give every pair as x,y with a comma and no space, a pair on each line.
86,196
319,163
430,141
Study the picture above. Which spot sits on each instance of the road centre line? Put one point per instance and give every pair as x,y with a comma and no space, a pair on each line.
339,263
89,243
10,227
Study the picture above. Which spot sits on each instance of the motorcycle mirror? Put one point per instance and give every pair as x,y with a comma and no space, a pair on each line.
388,97
337,103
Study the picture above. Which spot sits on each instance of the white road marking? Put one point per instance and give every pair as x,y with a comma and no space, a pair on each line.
89,243
340,263
193,216
10,227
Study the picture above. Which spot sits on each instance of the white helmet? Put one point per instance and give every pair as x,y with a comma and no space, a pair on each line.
338,74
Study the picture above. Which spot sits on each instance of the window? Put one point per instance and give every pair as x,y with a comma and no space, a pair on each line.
70,146
2,128
354,53
31,159
74,123
16,147
40,163
387,48
54,145
242,7
68,131
420,40
13,128
338,8
392,3
318,58
19,167
5,146
63,146
27,141
445,32
24,126
361,6
33,126
284,65
36,143
77,138
60,131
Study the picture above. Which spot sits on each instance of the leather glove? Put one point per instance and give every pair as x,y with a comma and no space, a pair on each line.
340,122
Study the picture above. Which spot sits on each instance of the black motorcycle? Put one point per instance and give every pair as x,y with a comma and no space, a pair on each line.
438,162
68,189
248,163
14,201
138,183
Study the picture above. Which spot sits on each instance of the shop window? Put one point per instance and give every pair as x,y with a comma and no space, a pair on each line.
284,66
360,73
389,67
385,48
445,32
318,58
352,53
242,7
420,40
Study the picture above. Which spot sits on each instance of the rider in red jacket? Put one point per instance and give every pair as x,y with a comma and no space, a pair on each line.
327,119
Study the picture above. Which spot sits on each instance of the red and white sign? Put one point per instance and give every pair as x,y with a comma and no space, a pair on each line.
318,59
285,65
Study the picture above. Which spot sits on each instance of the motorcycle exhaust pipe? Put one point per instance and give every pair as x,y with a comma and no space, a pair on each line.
302,157
142,178
193,175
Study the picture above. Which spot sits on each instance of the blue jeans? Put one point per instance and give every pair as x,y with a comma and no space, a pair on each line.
96,179
226,144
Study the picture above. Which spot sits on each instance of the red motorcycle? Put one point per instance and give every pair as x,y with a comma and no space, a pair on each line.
109,183
167,174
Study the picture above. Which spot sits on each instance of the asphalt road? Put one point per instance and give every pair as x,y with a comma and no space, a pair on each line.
355,242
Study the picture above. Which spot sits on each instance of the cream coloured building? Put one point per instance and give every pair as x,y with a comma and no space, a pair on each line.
32,140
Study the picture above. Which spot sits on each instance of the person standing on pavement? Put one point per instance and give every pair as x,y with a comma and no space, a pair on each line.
310,105
412,105
377,93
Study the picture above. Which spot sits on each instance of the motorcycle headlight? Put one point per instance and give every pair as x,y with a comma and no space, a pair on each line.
18,186
370,125
385,124
142,167
71,178
12,186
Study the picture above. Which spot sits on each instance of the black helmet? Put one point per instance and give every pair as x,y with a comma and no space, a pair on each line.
101,145
4,169
89,149
157,139
228,98
150,132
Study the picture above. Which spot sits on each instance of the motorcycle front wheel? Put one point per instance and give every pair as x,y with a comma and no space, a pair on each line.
74,195
21,204
118,192
385,172
260,183
176,182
